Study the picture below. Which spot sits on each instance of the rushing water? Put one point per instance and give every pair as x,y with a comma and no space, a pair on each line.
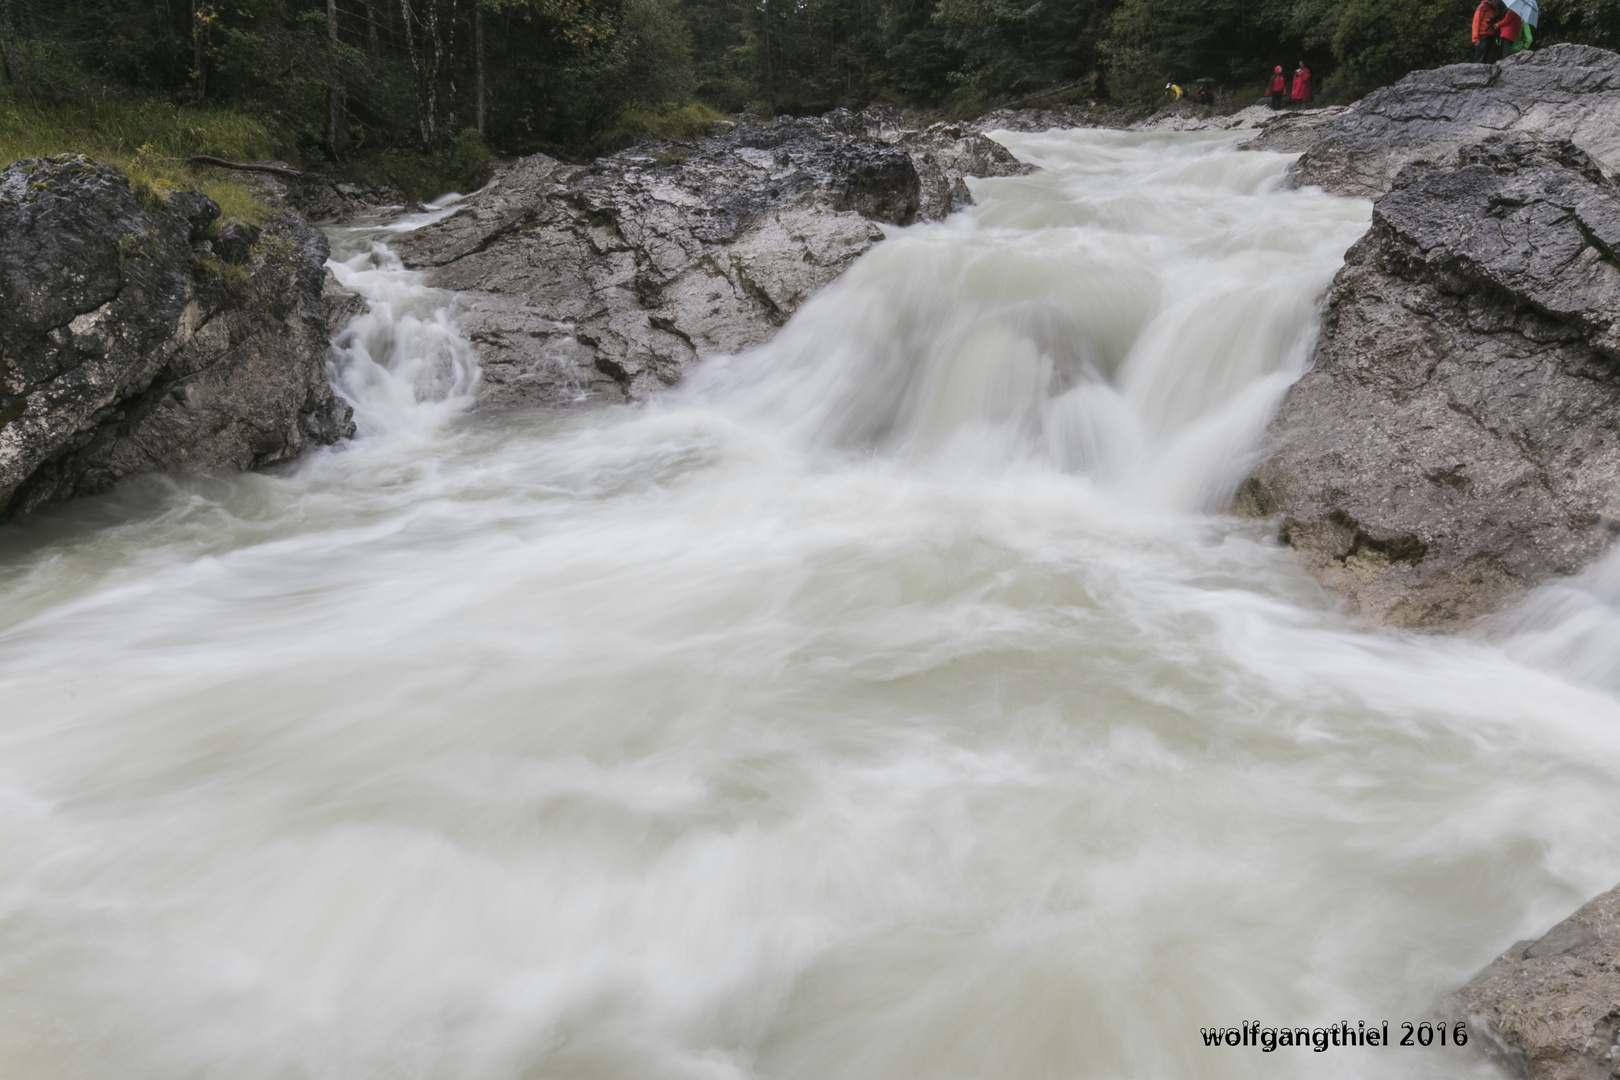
886,703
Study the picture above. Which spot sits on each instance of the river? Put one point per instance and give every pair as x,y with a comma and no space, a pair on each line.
890,702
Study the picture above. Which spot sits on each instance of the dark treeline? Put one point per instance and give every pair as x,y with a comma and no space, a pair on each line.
344,77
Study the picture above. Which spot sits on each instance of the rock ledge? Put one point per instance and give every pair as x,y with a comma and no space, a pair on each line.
606,282
136,338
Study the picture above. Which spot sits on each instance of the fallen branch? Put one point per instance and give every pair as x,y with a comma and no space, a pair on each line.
278,170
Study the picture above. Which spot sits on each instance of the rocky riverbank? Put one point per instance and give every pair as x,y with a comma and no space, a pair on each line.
1457,439
1562,92
1553,1005
1454,442
143,335
607,282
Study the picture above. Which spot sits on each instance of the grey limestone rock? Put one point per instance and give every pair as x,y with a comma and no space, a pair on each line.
127,345
1563,91
1553,1005
606,282
1458,438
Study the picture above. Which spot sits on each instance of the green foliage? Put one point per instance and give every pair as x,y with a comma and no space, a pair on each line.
1596,22
994,39
463,166
782,56
669,122
228,284
146,140
236,200
118,127
135,246
391,88
1377,41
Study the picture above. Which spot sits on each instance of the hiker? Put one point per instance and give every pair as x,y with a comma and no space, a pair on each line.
1302,86
1507,28
1206,96
1278,87
1485,18
1172,91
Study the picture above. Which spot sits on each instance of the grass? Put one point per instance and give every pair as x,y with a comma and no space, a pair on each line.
147,140
679,123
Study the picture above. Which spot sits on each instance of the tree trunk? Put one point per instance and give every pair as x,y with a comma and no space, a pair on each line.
770,84
164,19
25,32
433,55
478,62
8,44
199,27
334,84
450,72
424,111
373,47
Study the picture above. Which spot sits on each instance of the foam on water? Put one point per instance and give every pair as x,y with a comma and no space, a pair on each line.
883,703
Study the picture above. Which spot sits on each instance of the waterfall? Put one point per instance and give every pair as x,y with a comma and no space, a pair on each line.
402,364
891,701
1133,313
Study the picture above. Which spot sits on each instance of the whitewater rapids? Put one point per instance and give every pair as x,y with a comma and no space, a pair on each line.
890,702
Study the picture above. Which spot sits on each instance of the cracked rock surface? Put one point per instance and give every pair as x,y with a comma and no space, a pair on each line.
606,282
128,344
1555,1003
1458,438
1563,91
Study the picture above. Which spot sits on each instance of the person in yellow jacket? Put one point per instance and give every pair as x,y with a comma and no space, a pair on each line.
1172,91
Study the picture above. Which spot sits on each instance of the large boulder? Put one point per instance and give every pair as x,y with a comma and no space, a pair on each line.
1553,1005
128,345
1458,437
608,281
1561,92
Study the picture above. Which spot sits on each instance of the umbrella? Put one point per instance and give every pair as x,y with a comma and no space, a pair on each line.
1212,80
1526,10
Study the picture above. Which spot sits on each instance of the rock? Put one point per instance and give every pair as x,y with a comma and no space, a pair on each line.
1092,115
1285,131
234,242
1459,435
318,198
1554,1004
1563,91
124,348
1190,117
607,282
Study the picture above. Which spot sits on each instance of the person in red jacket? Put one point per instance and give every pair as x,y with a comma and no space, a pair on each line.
1301,94
1508,29
1278,87
1485,18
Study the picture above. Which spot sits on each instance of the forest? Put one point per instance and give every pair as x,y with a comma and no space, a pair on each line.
452,80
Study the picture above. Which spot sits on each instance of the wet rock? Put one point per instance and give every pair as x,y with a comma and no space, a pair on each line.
124,348
1553,1005
1285,131
606,282
1091,115
319,198
1458,438
234,242
1563,91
